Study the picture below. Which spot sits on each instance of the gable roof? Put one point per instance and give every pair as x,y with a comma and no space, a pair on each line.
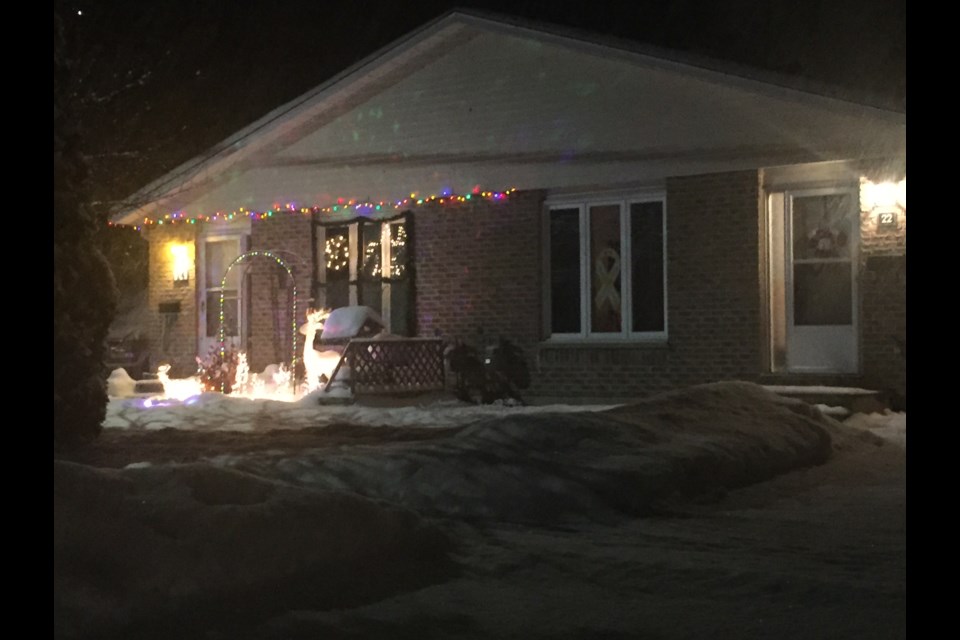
274,139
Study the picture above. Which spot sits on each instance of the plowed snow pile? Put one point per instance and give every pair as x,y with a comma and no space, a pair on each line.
213,533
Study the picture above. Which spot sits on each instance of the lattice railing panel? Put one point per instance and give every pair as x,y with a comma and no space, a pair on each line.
395,366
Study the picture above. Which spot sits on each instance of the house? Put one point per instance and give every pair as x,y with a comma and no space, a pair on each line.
634,221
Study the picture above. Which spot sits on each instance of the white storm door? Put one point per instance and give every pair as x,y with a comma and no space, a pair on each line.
822,235
216,253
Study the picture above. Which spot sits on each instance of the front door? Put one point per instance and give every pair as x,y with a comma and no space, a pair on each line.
822,236
215,254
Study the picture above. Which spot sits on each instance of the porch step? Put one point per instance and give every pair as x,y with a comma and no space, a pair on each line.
853,399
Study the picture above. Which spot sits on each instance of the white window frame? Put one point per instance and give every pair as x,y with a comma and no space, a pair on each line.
583,205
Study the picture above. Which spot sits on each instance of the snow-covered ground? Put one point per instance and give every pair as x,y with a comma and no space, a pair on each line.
722,510
215,412
889,425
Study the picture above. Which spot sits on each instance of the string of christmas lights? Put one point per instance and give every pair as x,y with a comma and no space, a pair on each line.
360,208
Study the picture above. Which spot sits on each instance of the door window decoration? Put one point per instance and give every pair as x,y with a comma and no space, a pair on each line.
821,226
826,242
606,269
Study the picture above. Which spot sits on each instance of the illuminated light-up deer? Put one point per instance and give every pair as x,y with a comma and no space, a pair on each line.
318,364
179,388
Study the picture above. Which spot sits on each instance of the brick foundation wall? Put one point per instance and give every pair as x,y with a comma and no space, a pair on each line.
172,338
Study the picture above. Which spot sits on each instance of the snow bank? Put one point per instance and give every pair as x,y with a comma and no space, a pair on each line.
215,412
549,467
284,521
889,425
167,548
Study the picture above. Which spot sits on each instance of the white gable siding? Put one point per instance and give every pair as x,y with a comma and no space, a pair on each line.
503,94
504,111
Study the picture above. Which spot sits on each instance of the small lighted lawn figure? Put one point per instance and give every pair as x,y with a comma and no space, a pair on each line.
319,365
242,378
179,388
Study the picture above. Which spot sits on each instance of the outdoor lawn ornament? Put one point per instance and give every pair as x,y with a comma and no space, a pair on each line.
319,365
499,376
180,388
218,371
282,376
120,384
242,380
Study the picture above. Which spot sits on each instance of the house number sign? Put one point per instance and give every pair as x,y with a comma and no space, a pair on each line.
887,221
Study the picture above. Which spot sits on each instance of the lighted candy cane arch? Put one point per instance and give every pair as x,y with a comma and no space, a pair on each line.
293,314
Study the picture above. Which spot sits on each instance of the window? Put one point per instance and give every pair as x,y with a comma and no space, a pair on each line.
607,269
349,268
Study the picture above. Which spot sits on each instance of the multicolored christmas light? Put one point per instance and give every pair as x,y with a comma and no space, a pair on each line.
293,315
364,208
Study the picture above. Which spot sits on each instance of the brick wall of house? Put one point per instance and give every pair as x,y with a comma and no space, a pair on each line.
478,270
270,293
172,337
883,292
713,301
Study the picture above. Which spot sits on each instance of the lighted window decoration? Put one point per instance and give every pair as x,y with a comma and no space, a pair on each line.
371,258
398,243
182,265
338,253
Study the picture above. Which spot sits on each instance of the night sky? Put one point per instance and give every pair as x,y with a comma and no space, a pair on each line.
154,84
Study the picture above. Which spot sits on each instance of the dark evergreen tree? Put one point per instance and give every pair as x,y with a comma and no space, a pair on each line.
84,294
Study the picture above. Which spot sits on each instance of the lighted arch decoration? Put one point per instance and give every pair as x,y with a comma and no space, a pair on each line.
293,314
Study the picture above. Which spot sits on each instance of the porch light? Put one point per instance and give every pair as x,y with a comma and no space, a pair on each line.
883,195
182,264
